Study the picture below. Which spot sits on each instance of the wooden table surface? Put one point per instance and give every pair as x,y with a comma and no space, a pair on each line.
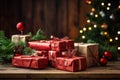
112,70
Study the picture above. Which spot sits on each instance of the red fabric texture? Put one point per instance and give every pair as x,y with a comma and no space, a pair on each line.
30,61
71,64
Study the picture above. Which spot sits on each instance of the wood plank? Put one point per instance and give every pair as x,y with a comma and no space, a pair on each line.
73,18
111,71
84,9
50,17
62,20
27,15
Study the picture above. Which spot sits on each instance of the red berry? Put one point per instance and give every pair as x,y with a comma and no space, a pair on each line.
20,26
107,55
103,61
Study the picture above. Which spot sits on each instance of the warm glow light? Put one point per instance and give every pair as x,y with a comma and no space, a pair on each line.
91,13
105,33
96,15
118,48
90,28
116,38
119,7
84,29
110,40
95,26
93,9
81,31
118,32
88,21
102,4
83,37
109,4
108,8
89,2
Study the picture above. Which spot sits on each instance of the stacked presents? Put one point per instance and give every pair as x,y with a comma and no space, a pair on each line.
58,53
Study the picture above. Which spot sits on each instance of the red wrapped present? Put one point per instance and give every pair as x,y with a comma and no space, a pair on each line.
52,55
42,53
58,45
71,64
69,42
40,45
30,61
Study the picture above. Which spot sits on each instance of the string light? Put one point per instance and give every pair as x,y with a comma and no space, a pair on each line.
93,9
84,29
83,37
88,21
89,28
116,38
109,4
110,40
81,31
108,8
119,7
95,26
118,48
105,33
102,4
91,13
96,15
118,32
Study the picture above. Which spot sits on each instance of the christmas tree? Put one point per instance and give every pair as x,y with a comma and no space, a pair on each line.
103,26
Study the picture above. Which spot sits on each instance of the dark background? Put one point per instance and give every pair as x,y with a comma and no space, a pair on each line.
55,17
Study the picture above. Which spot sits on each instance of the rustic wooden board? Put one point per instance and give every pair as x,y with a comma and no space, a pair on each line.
111,71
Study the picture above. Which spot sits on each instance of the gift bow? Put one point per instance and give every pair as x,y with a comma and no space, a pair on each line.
71,53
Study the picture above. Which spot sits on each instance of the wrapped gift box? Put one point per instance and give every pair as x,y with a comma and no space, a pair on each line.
40,45
71,64
90,51
52,55
42,53
18,38
69,43
30,61
58,45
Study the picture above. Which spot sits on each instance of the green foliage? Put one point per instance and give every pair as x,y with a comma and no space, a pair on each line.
108,16
38,36
6,47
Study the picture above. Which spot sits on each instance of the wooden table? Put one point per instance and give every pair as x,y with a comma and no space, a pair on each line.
111,71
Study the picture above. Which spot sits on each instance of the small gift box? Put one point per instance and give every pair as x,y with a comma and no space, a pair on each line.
58,45
40,45
18,38
71,64
52,55
30,61
69,43
90,51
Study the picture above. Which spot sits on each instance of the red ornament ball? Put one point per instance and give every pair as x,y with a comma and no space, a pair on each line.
107,55
103,61
20,26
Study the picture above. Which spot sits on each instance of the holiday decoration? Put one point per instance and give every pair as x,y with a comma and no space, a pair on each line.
20,26
18,38
30,61
103,23
88,1
71,64
90,51
103,61
107,55
6,48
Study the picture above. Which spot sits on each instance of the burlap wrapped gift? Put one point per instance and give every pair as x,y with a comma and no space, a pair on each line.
18,38
90,51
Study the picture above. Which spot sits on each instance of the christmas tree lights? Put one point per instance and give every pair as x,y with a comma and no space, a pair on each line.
102,24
